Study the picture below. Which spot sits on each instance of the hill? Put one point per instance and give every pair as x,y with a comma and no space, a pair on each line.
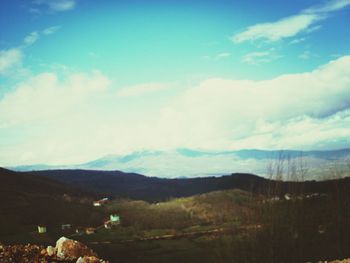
136,186
237,217
30,199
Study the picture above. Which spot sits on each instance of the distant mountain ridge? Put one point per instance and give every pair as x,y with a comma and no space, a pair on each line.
140,187
192,163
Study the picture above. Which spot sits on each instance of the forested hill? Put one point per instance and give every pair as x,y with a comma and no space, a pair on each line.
136,186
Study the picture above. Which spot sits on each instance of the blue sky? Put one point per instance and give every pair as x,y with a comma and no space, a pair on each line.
80,79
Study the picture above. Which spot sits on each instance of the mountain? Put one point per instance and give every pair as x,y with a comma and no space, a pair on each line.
193,163
137,186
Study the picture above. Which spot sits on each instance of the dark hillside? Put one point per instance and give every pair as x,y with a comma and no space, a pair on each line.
29,200
136,186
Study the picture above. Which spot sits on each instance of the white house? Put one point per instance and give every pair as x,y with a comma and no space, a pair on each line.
100,202
115,219
42,229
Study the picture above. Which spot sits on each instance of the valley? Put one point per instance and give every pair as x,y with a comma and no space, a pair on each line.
236,218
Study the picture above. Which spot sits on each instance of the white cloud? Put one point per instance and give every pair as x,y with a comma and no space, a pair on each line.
223,55
330,132
62,5
34,36
321,132
75,117
31,38
219,56
284,28
10,59
255,58
142,89
313,29
57,5
260,57
50,30
307,55
292,25
329,6
221,113
297,41
45,97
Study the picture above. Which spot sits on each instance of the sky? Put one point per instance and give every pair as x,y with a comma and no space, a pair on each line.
80,79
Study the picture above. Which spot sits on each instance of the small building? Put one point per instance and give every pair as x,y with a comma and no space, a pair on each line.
66,226
90,230
114,218
42,229
96,203
100,202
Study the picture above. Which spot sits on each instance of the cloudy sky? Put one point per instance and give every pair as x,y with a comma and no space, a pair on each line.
80,79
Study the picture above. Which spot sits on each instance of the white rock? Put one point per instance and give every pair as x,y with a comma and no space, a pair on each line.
73,249
59,245
50,250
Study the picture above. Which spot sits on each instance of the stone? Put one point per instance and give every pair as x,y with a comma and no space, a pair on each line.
31,253
51,251
87,259
68,248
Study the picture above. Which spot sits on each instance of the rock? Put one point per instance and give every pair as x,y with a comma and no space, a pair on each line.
59,246
87,259
21,253
68,248
70,251
51,251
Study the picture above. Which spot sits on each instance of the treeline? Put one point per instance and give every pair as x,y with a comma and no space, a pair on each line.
309,224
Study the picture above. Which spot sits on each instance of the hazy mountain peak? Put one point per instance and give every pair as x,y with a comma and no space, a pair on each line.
184,162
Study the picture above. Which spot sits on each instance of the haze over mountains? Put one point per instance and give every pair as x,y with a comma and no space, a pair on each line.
193,163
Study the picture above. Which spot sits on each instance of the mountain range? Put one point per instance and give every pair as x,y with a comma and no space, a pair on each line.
192,163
